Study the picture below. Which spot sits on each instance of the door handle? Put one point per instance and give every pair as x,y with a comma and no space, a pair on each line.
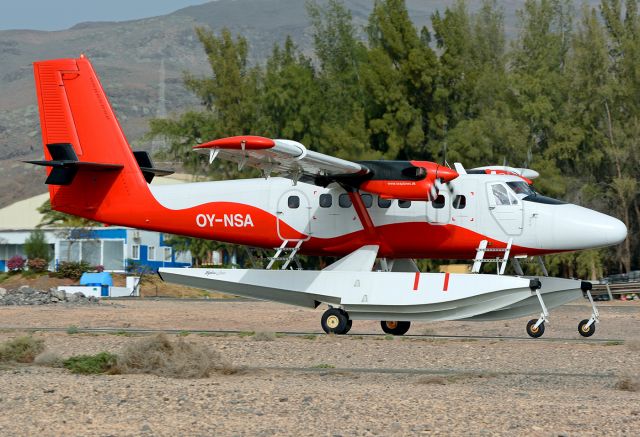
492,207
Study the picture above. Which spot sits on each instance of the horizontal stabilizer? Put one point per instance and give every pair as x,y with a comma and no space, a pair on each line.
146,165
65,164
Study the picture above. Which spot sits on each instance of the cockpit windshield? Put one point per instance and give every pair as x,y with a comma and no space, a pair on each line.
522,189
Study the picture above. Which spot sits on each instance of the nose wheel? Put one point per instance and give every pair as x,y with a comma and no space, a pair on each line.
587,327
335,321
535,329
395,328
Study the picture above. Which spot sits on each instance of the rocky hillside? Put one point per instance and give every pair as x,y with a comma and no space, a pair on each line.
131,58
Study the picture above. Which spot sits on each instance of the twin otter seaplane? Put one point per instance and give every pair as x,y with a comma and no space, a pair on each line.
378,216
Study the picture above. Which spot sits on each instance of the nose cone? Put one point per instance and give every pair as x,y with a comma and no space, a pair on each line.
446,174
617,231
575,227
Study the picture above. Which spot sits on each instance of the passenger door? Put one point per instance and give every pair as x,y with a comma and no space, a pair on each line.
505,208
294,212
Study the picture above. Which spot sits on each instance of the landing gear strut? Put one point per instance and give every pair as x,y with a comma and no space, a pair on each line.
395,328
587,327
535,328
335,321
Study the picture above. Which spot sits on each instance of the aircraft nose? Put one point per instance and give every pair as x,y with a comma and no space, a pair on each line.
576,227
616,230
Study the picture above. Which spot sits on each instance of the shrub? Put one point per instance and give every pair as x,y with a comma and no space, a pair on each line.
102,362
21,350
16,263
37,264
159,356
73,329
49,359
73,269
36,246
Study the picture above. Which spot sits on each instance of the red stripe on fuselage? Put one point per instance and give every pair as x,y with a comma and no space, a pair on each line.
445,286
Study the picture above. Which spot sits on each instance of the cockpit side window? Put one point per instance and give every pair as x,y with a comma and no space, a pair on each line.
500,194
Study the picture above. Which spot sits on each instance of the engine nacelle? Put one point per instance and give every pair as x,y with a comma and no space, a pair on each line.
406,180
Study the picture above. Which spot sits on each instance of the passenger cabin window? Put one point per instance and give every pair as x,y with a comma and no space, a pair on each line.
459,202
344,201
367,199
404,203
326,200
384,203
438,202
293,202
500,194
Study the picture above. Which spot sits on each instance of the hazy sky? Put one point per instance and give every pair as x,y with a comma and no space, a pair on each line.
62,14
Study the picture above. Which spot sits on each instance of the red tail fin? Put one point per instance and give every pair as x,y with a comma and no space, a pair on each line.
75,116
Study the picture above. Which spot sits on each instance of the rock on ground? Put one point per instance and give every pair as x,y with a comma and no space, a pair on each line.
26,295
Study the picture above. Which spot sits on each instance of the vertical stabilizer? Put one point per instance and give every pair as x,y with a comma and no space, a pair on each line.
98,168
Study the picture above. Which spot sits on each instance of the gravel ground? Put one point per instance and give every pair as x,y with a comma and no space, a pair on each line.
330,385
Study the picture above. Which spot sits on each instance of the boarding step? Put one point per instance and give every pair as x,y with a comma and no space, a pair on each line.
501,262
291,257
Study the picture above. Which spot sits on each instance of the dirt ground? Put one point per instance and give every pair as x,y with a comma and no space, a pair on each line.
330,385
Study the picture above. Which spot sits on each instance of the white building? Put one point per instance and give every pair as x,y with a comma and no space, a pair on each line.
111,247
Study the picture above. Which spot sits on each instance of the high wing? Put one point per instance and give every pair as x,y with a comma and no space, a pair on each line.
285,157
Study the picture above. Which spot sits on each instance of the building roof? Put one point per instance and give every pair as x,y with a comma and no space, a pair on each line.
24,213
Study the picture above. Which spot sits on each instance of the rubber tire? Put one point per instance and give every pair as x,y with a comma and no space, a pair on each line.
538,332
349,325
343,321
401,328
590,332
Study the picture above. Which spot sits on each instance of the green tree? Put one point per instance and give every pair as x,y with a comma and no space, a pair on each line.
36,246
623,117
340,109
398,80
473,120
288,96
229,99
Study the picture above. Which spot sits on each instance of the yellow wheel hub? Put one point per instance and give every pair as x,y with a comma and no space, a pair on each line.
534,329
392,325
333,321
585,328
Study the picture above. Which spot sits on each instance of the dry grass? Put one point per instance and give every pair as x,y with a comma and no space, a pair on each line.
160,356
21,350
628,383
49,359
264,336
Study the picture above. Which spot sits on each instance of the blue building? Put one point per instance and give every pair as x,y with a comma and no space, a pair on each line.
111,247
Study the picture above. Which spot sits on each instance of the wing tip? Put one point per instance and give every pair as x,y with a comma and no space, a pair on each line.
248,142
